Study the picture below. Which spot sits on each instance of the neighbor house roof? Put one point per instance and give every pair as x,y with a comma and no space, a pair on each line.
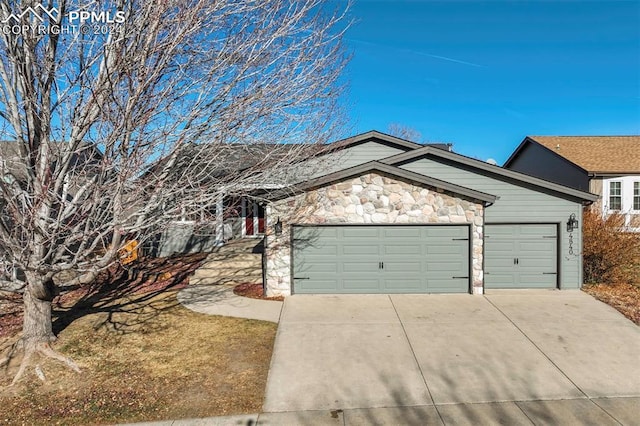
595,154
11,160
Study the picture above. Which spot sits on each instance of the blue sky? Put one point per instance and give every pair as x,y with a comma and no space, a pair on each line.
484,74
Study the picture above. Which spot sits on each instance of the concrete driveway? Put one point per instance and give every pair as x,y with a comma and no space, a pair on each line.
437,351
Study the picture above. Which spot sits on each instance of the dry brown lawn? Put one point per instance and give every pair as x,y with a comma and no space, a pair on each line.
624,297
143,357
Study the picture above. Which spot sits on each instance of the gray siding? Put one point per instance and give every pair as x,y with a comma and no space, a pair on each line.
349,157
183,238
518,205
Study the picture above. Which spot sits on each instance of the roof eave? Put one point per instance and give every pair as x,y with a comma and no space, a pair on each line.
614,173
516,152
373,166
374,134
477,164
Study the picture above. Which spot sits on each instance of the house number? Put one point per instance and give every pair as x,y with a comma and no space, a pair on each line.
571,243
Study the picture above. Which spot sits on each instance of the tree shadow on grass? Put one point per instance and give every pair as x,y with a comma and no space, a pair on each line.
128,299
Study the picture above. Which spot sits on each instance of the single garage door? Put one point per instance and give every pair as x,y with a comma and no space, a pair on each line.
521,256
381,259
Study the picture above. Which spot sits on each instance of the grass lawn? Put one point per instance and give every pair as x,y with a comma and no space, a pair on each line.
624,297
143,357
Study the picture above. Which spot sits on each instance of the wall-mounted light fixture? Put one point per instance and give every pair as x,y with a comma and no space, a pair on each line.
277,227
572,223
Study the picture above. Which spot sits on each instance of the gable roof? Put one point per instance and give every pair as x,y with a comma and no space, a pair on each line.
383,138
595,154
376,166
489,169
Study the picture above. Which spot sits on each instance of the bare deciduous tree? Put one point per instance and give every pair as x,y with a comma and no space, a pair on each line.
115,125
404,132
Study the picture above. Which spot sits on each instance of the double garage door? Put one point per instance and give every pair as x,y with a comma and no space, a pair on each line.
381,259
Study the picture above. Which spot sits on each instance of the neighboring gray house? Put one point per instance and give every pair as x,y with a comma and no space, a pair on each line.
608,166
397,217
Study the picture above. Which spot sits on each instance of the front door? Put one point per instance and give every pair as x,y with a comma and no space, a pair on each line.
254,218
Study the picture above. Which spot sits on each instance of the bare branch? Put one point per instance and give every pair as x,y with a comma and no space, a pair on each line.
111,135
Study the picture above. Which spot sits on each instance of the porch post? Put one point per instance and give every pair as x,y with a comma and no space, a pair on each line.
243,216
220,219
256,220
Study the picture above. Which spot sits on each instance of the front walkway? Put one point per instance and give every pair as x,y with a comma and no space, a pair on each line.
210,289
220,300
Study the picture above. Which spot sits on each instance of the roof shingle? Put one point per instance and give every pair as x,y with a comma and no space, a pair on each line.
597,154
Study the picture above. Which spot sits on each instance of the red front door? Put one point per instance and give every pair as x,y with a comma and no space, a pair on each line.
255,213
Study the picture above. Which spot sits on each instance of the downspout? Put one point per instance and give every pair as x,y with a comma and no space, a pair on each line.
587,203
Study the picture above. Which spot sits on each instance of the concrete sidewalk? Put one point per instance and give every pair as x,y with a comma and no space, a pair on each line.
220,300
601,411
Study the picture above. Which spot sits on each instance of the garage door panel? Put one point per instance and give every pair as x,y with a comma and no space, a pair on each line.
501,245
452,268
382,259
541,245
539,265
364,266
409,249
361,284
446,232
538,280
311,235
537,230
398,266
318,267
360,249
403,285
502,232
459,285
359,232
445,251
501,280
401,232
317,286
321,248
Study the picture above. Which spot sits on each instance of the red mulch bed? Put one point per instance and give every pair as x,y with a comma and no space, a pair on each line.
151,275
624,297
254,291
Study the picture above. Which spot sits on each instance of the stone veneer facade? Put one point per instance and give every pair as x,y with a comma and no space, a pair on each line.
368,199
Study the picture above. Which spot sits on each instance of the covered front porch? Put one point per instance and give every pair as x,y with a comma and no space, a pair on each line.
232,217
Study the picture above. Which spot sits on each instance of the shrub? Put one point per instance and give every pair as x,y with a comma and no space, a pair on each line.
611,254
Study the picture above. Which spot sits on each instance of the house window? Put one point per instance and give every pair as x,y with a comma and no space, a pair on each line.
636,195
615,196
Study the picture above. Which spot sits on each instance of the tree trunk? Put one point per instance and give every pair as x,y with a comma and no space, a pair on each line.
37,327
37,331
